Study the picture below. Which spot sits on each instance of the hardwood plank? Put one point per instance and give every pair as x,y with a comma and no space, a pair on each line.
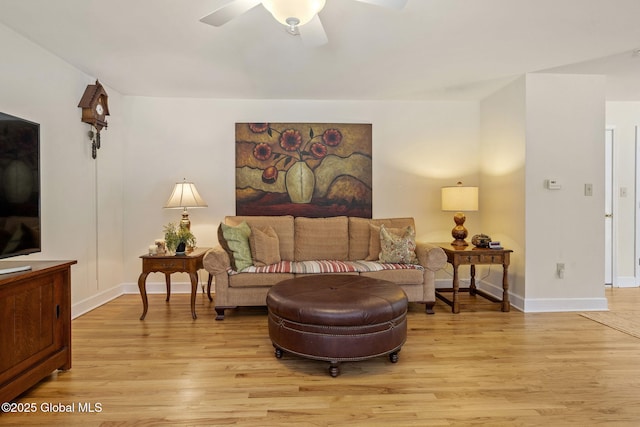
478,367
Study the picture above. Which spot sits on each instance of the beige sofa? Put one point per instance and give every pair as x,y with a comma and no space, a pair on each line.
345,245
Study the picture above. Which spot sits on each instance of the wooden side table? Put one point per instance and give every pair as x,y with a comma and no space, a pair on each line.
472,256
167,264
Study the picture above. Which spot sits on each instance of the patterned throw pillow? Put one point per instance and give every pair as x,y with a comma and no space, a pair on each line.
396,248
235,240
265,246
374,240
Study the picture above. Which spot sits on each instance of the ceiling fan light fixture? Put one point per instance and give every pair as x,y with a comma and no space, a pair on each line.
284,11
292,26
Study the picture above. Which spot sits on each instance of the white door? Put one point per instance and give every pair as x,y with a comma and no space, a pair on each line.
608,210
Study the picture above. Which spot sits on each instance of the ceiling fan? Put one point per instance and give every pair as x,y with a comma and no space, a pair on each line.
299,16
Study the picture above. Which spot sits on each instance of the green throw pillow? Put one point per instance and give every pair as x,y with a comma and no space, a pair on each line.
236,240
398,249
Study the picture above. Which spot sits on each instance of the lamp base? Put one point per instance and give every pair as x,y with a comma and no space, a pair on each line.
459,242
458,232
185,222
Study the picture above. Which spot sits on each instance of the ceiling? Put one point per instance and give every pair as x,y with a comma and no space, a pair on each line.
432,49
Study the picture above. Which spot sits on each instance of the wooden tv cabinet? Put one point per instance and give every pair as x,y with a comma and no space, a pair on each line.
35,324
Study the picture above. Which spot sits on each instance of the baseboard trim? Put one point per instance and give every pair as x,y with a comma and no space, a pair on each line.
550,305
101,298
626,282
538,305
95,301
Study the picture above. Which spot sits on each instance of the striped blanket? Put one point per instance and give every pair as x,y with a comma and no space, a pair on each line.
326,266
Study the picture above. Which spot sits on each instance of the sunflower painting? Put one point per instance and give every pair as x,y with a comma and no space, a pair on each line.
303,169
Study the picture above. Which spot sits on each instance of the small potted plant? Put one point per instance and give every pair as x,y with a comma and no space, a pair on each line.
178,238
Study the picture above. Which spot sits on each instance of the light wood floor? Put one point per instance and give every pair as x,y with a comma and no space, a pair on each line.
480,367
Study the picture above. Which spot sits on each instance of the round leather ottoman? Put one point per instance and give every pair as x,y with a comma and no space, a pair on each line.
337,318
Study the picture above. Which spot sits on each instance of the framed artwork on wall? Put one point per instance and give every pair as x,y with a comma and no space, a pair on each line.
304,169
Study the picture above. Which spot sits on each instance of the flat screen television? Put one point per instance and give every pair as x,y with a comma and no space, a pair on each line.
19,186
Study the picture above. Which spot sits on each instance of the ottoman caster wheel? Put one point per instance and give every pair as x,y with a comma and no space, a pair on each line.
278,353
393,357
334,369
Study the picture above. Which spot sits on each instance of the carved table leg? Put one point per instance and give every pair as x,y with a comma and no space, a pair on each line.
167,280
194,292
506,305
143,293
455,305
472,285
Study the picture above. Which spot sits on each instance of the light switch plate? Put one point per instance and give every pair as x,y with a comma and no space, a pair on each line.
588,189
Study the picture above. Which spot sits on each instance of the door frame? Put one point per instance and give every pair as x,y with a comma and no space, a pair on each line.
636,207
610,194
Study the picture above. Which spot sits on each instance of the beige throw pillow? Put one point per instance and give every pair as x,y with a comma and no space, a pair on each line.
265,246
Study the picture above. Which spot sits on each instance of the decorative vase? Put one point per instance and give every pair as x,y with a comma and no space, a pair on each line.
180,249
300,182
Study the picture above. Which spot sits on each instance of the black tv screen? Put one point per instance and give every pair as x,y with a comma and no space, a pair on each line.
19,186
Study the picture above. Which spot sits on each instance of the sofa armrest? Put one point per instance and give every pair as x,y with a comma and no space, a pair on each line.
430,256
216,261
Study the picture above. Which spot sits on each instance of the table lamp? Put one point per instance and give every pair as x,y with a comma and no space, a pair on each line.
459,199
185,195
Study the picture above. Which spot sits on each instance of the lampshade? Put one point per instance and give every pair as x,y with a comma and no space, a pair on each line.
185,195
459,198
302,10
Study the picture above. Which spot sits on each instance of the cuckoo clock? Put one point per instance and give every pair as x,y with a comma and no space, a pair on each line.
95,110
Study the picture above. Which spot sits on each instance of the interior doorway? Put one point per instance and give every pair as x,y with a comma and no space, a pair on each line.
609,232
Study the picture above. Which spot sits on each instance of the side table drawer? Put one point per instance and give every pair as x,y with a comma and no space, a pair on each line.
492,259
477,259
469,259
170,264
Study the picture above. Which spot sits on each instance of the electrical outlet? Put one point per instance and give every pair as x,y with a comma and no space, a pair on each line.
560,270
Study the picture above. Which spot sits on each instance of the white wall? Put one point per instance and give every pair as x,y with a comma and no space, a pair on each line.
623,117
81,199
565,133
547,126
502,195
417,148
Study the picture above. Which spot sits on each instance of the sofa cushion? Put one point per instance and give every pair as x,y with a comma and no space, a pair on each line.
251,283
265,246
406,276
397,248
321,238
235,240
283,226
358,238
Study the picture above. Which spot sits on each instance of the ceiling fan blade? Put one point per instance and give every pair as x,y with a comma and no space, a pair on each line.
226,13
391,4
312,33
